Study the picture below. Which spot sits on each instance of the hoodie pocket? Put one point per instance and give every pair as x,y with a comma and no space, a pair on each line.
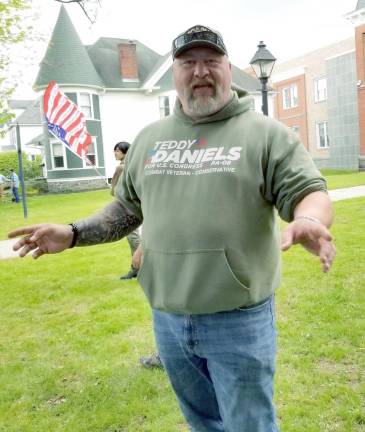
192,282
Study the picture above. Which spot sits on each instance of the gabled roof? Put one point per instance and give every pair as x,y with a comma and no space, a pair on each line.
19,103
244,80
66,60
31,116
37,141
158,71
105,56
70,63
166,82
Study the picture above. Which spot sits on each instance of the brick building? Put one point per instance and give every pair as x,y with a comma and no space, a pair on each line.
321,96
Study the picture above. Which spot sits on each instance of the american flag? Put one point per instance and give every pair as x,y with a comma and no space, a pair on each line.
65,120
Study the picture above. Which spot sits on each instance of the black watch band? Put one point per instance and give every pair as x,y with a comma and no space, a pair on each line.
75,232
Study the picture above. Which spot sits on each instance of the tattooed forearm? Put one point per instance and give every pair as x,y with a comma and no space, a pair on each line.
112,223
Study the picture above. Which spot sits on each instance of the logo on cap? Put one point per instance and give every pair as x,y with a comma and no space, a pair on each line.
198,35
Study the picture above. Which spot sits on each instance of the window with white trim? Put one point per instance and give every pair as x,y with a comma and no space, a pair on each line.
58,155
164,105
322,135
91,154
320,90
290,96
85,104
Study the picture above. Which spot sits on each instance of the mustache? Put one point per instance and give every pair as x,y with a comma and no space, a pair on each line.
202,82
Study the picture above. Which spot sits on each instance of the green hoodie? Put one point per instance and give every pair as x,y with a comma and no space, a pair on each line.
207,191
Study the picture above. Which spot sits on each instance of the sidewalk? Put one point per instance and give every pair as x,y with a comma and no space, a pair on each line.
336,195
346,193
6,249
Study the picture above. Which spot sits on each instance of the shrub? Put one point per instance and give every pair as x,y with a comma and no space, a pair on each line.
31,169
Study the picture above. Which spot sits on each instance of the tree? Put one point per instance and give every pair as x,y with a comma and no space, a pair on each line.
89,7
12,31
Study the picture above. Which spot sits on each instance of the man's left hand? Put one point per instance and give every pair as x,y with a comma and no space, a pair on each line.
137,257
314,237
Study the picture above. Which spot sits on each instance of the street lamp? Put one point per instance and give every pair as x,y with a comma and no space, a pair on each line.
262,63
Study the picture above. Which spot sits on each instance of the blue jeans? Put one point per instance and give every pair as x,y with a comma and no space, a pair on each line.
15,194
221,367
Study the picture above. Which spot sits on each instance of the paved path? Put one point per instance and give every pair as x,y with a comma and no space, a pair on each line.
346,193
6,250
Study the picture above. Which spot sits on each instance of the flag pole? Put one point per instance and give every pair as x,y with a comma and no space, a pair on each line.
104,177
21,172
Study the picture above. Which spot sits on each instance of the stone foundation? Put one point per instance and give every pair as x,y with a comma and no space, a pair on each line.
38,186
76,185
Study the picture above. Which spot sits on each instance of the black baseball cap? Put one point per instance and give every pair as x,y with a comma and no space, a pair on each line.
198,35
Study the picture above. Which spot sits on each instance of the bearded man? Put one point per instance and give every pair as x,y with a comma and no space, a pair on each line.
207,182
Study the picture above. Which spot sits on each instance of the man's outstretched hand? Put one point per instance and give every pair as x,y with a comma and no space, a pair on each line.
314,237
42,239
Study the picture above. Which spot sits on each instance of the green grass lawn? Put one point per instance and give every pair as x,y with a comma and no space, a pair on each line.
72,333
340,179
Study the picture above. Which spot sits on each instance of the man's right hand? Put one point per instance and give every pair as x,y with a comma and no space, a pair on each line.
42,239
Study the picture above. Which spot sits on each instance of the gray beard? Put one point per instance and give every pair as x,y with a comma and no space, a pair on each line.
203,108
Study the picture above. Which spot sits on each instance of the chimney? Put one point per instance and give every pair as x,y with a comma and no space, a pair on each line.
128,62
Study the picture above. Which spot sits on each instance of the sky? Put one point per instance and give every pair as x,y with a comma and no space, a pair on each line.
288,27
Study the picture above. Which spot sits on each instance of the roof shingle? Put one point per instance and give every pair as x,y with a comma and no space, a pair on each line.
66,60
105,56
